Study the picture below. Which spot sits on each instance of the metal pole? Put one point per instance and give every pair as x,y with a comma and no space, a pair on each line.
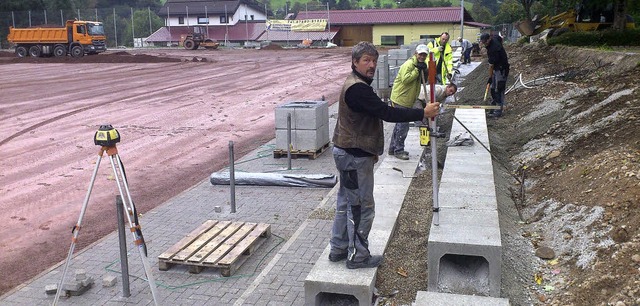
289,141
462,18
124,263
96,14
232,178
133,30
61,18
45,17
328,23
432,138
131,210
246,23
13,18
79,15
226,26
149,13
115,28
266,17
29,18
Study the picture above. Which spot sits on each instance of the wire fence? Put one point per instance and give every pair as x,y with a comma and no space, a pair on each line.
122,24
508,31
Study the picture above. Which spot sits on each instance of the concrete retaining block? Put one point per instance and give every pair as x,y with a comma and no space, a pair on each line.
469,228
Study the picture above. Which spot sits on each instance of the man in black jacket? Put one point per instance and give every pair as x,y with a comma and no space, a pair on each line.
498,71
358,140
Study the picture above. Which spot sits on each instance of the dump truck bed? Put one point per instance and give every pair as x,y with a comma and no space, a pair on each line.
37,35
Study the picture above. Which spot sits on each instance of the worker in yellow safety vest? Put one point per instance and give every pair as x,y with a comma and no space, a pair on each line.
443,56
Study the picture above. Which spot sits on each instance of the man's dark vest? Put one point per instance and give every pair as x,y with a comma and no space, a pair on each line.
357,130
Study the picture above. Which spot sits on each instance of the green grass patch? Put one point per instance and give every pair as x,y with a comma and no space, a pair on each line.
603,40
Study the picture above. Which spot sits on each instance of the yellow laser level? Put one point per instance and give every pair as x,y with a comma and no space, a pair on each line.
424,135
106,136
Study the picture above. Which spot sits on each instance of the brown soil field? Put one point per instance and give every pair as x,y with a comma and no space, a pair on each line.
176,111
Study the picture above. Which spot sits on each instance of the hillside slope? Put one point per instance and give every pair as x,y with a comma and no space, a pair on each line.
575,132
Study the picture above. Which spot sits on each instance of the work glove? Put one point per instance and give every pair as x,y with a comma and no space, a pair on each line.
441,48
421,66
489,80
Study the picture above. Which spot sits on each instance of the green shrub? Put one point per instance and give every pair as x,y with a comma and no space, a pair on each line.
603,39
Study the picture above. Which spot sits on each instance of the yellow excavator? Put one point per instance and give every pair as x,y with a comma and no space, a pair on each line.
568,21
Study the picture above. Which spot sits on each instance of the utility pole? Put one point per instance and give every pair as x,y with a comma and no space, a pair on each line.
462,18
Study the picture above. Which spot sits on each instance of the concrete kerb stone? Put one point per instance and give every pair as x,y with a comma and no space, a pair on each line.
468,216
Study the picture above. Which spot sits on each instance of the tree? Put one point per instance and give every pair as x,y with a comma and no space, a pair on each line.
620,14
415,3
510,11
526,4
481,14
491,5
344,5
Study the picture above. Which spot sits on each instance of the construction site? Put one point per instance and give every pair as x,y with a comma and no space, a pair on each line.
564,162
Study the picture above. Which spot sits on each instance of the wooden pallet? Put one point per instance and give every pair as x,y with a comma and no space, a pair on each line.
278,153
224,245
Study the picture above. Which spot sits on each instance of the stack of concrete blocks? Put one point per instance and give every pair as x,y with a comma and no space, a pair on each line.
380,82
397,57
309,125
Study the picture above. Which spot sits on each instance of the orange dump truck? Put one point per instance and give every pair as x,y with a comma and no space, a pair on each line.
77,38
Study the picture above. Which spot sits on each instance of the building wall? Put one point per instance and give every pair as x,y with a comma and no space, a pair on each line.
409,33
351,35
234,17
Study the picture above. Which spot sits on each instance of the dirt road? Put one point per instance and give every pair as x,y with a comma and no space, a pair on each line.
176,117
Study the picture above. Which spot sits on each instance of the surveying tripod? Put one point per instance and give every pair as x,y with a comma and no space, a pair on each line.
106,137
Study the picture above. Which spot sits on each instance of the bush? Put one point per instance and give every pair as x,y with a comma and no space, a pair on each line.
606,38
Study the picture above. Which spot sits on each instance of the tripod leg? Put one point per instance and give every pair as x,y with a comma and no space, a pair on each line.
76,229
134,231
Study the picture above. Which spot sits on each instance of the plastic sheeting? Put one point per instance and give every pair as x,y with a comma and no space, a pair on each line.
275,179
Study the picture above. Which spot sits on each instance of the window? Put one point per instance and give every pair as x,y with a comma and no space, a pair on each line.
203,20
180,20
223,19
388,40
429,38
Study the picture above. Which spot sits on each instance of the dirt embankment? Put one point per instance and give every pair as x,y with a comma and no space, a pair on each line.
577,136
573,128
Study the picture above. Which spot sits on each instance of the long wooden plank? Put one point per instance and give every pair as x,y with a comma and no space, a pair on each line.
240,248
201,241
215,243
229,243
168,254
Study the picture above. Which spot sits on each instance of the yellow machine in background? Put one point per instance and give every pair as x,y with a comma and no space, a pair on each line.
564,22
198,37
